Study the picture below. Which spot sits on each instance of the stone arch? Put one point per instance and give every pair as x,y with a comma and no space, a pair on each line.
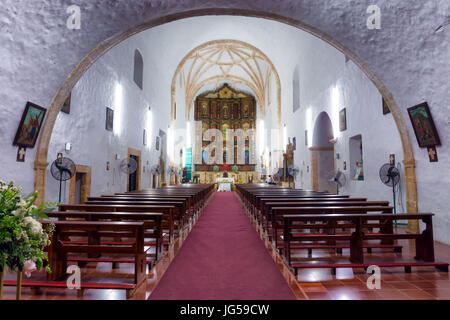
40,162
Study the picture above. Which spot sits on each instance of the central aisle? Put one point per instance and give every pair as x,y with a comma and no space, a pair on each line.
223,258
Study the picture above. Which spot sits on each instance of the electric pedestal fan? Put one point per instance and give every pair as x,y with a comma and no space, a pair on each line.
390,176
62,169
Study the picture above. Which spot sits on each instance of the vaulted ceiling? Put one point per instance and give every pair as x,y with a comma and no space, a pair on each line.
231,60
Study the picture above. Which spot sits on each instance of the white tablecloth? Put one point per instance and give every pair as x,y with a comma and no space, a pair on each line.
224,187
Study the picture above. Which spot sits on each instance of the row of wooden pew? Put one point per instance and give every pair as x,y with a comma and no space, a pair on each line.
296,220
134,228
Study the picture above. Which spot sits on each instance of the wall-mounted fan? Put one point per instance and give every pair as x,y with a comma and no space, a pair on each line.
293,171
172,170
62,169
128,165
156,169
390,176
338,178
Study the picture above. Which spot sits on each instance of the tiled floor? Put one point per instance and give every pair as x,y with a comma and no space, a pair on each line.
310,284
351,284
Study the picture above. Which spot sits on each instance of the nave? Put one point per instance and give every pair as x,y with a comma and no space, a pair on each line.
219,246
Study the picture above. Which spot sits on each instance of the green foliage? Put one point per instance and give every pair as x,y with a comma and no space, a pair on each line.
216,168
22,237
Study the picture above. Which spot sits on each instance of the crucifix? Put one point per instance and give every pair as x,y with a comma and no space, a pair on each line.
392,160
432,154
21,154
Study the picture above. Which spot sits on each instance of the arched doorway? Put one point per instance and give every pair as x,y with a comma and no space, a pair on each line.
41,160
322,155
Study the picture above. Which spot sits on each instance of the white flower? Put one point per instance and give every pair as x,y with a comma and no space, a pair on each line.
35,226
19,212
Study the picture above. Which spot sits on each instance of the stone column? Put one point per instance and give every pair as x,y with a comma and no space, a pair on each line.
411,194
40,168
314,170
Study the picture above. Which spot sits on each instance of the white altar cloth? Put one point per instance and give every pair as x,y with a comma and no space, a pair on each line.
224,184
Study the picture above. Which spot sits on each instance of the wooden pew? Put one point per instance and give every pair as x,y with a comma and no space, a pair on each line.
276,215
318,202
152,229
424,240
58,251
166,210
179,215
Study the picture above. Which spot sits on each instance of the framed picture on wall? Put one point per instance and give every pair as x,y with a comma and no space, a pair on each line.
342,120
423,125
66,106
109,119
385,107
29,126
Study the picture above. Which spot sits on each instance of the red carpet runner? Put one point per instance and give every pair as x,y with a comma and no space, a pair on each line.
223,258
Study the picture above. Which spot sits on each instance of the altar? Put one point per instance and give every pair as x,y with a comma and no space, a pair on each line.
224,184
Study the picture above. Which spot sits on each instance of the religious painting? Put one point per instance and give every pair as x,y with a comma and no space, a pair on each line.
30,125
423,125
157,143
66,106
109,119
342,120
385,107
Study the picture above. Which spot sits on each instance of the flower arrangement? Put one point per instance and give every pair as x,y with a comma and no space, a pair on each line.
22,237
216,168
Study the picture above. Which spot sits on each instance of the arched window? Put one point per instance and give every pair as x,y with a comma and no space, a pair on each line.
138,69
296,90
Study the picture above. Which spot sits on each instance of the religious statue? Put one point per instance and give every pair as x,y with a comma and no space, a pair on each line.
225,111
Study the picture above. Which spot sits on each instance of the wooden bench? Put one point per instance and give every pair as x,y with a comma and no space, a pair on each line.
267,206
59,250
152,229
179,215
36,285
424,240
276,217
166,210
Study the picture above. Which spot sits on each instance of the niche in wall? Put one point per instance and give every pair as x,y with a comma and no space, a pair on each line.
356,158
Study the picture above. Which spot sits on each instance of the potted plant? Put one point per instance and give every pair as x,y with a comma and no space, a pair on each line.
22,237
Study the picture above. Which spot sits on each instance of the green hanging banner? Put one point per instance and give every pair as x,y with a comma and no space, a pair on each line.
189,163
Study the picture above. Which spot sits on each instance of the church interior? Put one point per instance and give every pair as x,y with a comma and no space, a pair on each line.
186,150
